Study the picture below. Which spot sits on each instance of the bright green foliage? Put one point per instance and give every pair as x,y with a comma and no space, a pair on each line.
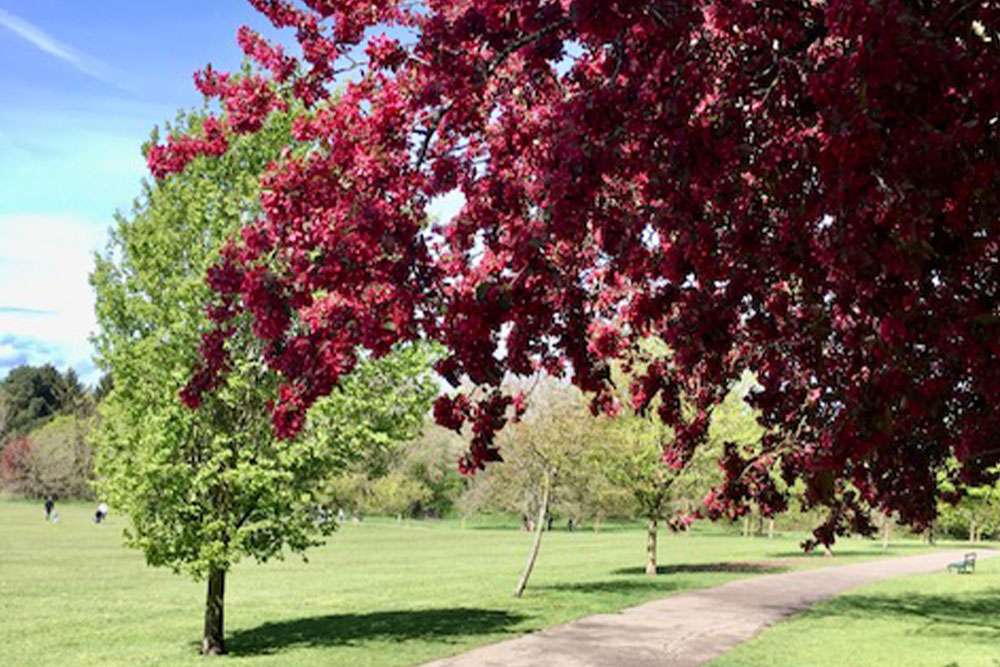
431,460
976,514
204,488
548,447
632,459
397,493
605,467
418,478
632,456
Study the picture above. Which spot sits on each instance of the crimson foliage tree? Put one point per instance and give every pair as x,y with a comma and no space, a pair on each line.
806,190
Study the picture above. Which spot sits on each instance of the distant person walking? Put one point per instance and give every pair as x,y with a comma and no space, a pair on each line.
50,502
101,514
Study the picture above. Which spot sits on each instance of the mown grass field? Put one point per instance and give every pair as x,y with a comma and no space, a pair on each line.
376,594
934,620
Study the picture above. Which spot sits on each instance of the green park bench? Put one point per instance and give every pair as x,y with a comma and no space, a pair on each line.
965,566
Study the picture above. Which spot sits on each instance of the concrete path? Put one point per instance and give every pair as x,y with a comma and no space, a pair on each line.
692,628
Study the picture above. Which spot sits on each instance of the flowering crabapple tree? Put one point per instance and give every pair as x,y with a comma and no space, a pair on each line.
803,190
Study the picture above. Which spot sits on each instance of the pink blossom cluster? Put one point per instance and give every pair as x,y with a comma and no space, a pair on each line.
180,150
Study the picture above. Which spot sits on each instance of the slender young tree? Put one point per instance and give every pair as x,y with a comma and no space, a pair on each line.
545,449
204,488
544,459
631,457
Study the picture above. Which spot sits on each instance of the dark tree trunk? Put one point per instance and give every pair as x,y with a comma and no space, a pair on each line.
651,546
213,643
539,528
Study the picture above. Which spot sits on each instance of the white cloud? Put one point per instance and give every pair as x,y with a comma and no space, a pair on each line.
45,298
49,44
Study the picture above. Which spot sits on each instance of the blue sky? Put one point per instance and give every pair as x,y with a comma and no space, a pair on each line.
81,86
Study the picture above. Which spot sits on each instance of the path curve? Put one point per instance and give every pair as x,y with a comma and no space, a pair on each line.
695,627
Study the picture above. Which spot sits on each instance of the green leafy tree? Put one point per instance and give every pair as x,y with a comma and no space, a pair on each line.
631,457
976,513
398,493
430,460
54,459
33,394
205,488
587,494
542,460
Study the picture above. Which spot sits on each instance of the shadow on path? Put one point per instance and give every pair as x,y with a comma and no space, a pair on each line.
740,567
347,629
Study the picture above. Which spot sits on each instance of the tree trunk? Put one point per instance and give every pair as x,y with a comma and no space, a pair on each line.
651,546
539,529
213,643
972,529
886,528
770,528
746,525
597,524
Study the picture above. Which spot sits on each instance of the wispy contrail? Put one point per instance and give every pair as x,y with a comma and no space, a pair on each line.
15,310
49,44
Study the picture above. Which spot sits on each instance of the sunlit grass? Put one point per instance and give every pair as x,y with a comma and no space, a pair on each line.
939,620
376,594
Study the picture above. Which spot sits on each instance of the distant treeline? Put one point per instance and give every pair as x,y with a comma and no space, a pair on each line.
45,418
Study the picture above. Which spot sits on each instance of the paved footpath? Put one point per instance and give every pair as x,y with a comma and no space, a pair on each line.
696,627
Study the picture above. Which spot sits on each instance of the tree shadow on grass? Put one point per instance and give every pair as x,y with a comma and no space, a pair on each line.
866,552
973,613
351,629
660,584
725,566
614,587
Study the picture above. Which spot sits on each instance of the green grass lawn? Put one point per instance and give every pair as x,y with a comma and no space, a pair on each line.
376,594
939,620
